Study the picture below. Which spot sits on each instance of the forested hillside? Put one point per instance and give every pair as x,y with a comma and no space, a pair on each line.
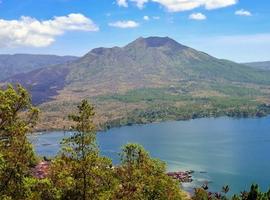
150,79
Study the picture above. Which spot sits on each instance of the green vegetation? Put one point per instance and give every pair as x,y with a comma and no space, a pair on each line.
233,90
188,100
253,194
165,104
210,68
87,175
78,172
184,93
154,77
16,153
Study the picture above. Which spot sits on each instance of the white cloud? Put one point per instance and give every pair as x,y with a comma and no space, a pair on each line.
140,3
197,16
29,31
243,12
146,18
178,5
122,3
183,5
124,24
214,4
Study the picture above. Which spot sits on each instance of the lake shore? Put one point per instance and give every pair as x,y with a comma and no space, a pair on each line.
106,127
230,150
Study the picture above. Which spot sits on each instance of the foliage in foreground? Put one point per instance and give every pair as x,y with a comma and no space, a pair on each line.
253,194
79,172
16,153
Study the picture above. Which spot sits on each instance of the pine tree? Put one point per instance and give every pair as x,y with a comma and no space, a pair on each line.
80,171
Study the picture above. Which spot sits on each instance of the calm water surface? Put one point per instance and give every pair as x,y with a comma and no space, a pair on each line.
221,151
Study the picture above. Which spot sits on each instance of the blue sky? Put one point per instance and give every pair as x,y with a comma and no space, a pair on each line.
230,29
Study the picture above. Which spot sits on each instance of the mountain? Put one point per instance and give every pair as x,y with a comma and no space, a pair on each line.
11,65
151,61
146,62
153,78
259,65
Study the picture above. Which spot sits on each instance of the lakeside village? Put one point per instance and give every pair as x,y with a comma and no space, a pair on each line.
41,170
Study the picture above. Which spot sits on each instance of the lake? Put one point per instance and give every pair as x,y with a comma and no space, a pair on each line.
220,150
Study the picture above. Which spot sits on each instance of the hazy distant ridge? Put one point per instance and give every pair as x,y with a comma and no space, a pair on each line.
11,65
259,65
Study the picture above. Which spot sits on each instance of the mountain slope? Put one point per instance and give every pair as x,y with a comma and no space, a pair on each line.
259,65
145,63
150,79
151,62
11,65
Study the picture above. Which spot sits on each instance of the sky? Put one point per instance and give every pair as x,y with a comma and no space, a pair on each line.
237,30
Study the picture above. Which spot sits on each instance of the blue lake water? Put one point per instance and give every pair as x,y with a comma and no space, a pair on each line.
221,151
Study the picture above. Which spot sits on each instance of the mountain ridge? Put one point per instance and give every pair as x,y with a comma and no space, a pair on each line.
145,62
264,65
13,64
149,79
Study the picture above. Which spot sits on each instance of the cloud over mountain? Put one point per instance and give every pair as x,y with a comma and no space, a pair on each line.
28,31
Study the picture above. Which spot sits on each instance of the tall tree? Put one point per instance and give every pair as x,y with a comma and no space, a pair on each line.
87,174
17,118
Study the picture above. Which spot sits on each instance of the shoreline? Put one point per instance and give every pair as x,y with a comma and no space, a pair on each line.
46,131
174,162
